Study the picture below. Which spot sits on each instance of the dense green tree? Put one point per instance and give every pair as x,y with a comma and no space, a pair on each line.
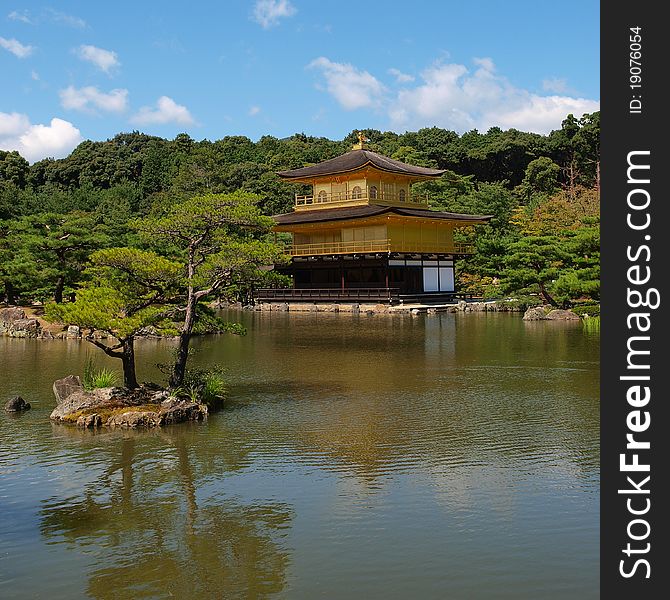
128,290
540,178
576,149
586,143
218,239
158,168
411,155
13,169
58,246
582,277
532,263
20,274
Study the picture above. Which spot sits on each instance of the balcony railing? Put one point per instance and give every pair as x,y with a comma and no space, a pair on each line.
328,294
363,195
372,246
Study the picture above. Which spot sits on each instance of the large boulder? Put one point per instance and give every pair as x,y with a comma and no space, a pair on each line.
68,385
174,410
562,315
73,331
460,306
535,313
106,398
16,404
29,328
134,418
89,421
10,314
81,400
349,307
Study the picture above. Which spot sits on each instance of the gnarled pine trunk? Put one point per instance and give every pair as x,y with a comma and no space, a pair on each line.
128,361
58,292
125,351
179,371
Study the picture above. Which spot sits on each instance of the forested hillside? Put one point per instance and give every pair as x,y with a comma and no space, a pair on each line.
542,190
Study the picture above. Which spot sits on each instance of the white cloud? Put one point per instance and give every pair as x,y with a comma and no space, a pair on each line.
34,75
254,110
23,16
350,86
105,60
541,114
401,77
166,111
454,97
485,63
16,47
267,13
70,20
556,85
88,98
12,124
48,14
35,142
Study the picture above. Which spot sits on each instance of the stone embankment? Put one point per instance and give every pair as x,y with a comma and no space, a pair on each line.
147,406
371,309
548,313
21,322
28,322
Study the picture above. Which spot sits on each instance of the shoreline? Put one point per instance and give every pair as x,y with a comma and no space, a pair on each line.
413,308
27,322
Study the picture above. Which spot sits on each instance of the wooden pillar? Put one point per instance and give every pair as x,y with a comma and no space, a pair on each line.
342,273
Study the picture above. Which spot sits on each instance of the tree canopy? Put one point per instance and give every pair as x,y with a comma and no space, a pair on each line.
216,239
55,213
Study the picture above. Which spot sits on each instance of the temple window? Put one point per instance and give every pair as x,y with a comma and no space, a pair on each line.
356,193
401,195
373,192
323,197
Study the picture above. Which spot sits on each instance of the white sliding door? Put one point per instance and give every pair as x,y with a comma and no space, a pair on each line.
430,279
447,279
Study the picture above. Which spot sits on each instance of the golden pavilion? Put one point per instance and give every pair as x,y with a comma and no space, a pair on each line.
362,234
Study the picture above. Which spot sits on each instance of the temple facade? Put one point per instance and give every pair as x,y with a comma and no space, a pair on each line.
362,234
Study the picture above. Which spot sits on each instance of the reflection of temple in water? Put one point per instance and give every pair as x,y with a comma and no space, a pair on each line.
347,407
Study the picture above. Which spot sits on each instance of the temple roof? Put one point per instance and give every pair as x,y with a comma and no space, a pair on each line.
357,159
370,210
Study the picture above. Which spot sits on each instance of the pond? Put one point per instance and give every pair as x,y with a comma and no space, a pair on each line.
383,456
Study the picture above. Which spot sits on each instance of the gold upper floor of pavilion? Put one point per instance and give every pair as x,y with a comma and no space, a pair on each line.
363,202
360,177
359,195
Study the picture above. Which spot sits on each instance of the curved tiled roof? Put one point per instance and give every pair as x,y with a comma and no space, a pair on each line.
357,159
370,210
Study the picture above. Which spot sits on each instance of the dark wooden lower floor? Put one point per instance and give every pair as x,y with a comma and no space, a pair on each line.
383,276
353,295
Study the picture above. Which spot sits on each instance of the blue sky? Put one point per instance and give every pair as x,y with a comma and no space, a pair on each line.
88,70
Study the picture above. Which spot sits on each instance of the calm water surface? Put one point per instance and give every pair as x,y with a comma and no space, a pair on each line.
450,456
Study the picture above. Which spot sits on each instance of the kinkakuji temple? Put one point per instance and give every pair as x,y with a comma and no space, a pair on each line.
362,234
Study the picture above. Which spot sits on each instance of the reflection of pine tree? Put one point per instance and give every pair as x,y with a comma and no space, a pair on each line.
155,537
